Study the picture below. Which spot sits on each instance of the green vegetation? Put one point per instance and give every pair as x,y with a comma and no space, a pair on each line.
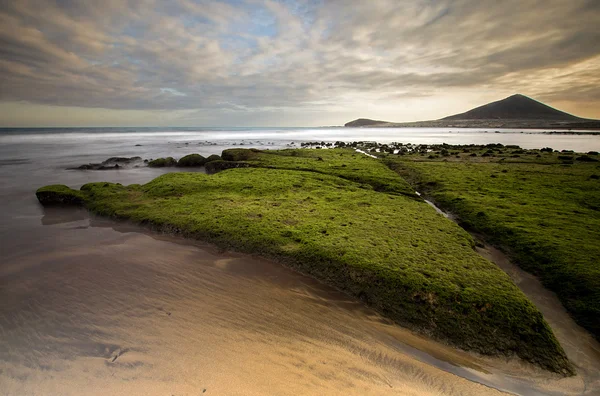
543,207
324,213
213,157
59,194
343,163
191,160
162,162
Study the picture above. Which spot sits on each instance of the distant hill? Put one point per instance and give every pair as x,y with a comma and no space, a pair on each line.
516,107
517,111
361,122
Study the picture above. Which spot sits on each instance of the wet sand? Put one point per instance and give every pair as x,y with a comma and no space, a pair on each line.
581,348
100,307
104,308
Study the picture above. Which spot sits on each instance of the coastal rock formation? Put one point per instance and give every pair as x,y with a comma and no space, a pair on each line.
213,157
112,163
239,154
191,160
220,165
59,194
162,162
352,222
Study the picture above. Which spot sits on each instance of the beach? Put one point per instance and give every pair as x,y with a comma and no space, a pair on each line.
98,306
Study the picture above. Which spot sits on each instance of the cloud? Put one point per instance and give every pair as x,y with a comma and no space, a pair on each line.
264,56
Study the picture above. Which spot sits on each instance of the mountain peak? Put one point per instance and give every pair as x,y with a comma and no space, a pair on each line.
515,107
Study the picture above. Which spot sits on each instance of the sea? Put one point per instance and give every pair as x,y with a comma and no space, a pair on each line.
94,306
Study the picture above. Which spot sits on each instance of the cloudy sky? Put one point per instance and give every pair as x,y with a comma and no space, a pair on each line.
289,62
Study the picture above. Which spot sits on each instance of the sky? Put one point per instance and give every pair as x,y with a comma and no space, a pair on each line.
289,62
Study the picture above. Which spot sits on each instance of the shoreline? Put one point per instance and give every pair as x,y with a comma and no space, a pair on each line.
352,279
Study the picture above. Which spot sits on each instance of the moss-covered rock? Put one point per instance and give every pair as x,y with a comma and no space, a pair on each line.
59,194
240,154
162,162
545,214
191,160
220,165
338,224
213,157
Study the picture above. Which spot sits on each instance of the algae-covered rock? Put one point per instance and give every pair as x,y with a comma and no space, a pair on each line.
213,157
162,162
59,194
240,154
353,227
191,160
220,165
111,163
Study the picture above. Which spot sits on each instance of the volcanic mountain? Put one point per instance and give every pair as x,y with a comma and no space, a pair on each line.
516,107
516,111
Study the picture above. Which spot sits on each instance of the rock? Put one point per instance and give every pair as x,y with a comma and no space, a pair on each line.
191,160
111,163
213,157
162,162
220,165
59,194
239,154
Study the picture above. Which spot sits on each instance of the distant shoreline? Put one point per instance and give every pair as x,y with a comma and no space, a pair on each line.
552,126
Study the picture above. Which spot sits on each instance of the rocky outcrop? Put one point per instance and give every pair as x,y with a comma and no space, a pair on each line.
239,154
213,157
112,163
162,162
191,160
220,165
59,194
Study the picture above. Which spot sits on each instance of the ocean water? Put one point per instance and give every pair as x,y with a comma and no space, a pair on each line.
92,306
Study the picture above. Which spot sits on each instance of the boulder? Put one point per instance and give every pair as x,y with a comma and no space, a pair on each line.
218,166
112,163
191,160
213,157
239,154
162,162
59,194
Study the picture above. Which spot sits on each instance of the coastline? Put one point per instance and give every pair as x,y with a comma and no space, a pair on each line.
248,246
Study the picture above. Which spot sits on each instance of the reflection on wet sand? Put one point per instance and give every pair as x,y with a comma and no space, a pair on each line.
107,308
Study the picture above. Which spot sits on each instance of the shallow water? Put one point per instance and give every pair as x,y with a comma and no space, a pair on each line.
91,306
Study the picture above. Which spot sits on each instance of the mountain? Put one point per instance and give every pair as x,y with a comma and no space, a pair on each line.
516,107
517,111
361,122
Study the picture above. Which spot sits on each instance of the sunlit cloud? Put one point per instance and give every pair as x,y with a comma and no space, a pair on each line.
300,62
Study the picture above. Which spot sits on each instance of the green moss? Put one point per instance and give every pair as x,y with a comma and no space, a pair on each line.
344,163
546,214
220,165
239,154
389,249
162,162
59,194
213,157
192,160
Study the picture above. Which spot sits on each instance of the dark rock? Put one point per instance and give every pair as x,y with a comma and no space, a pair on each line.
162,162
213,157
59,194
218,166
111,163
191,160
239,154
